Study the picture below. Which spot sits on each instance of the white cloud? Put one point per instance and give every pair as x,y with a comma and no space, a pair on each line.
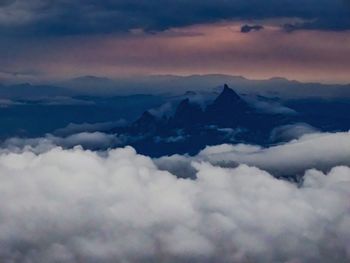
63,100
318,150
88,140
4,103
271,107
73,128
166,109
291,131
81,206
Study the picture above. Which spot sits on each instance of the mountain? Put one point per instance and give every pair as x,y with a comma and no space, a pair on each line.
176,85
227,109
228,118
228,98
91,85
146,123
187,114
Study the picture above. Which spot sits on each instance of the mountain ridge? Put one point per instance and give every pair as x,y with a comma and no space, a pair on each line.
226,119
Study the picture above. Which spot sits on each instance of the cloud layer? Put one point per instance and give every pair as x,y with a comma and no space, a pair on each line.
82,206
89,140
317,150
61,17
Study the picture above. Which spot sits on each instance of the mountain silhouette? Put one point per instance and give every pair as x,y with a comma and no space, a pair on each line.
187,114
227,109
229,118
146,123
227,97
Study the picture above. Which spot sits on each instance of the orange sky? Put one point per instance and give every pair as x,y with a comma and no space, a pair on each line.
210,48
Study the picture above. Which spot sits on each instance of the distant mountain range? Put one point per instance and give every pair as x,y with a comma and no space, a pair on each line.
158,84
229,118
188,113
175,85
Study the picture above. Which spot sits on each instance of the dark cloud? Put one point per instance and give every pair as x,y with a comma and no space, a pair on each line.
288,27
4,3
248,28
62,17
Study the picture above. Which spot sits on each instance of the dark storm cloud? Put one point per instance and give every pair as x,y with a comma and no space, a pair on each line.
62,17
248,28
5,2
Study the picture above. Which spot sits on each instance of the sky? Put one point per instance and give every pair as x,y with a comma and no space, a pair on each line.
306,40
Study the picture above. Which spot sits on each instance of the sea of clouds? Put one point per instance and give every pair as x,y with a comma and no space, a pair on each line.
74,205
321,151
